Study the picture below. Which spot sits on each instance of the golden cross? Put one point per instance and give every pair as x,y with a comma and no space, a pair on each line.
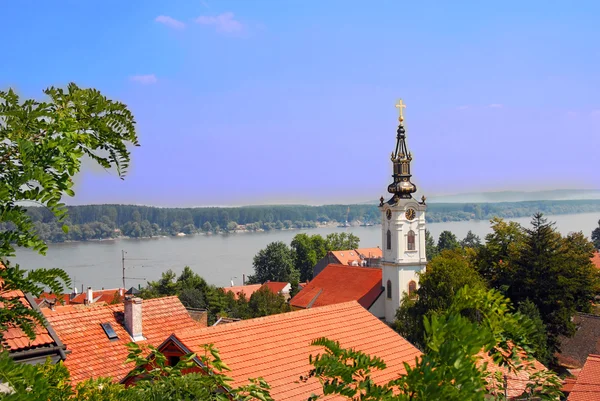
400,106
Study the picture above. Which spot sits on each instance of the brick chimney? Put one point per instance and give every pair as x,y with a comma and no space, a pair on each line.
133,317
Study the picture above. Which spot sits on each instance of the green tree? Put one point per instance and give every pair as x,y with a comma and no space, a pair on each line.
274,263
307,251
554,273
447,241
539,338
341,241
264,303
596,236
431,249
445,276
502,246
189,229
471,241
207,227
451,368
42,145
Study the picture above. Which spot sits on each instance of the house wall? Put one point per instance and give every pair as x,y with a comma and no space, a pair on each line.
378,307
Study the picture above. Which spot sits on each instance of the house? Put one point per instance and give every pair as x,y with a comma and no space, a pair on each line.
47,343
275,286
247,290
587,384
49,300
96,335
339,283
354,257
277,347
585,341
21,348
278,287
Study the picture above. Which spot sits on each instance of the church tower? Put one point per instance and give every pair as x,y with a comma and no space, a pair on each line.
402,228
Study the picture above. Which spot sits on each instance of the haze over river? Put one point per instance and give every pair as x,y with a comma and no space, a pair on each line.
219,258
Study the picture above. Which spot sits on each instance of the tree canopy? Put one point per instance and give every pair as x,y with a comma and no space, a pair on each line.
42,145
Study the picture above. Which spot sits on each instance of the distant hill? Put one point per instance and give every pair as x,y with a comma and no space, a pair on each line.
512,196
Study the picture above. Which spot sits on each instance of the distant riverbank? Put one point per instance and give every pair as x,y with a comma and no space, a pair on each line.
99,222
221,258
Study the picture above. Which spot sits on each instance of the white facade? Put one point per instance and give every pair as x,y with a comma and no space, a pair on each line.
404,252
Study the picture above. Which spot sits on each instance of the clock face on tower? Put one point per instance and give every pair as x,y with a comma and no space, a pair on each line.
410,214
388,214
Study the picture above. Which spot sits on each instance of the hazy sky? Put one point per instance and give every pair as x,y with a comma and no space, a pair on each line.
241,102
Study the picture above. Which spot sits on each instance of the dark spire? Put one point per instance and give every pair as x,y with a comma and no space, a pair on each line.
401,158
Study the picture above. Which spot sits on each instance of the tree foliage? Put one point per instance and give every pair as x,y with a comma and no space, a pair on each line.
539,265
42,145
274,263
447,241
596,236
445,276
451,367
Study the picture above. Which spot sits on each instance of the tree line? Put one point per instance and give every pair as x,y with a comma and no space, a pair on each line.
108,221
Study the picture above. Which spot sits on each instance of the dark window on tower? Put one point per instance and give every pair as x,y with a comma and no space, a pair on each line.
412,287
411,240
173,360
389,289
389,239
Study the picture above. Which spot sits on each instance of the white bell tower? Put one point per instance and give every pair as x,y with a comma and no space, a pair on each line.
402,229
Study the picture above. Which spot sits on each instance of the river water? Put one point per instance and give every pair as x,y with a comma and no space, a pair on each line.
219,258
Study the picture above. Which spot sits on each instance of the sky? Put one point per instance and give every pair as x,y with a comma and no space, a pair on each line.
263,102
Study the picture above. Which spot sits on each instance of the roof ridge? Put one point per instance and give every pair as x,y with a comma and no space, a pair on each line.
278,316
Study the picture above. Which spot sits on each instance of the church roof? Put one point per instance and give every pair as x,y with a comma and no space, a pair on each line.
339,283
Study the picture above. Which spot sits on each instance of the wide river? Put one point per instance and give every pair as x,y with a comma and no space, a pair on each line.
219,258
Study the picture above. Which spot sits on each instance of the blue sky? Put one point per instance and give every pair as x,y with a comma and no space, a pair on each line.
244,102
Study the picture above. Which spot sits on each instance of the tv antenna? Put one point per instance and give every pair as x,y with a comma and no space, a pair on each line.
123,253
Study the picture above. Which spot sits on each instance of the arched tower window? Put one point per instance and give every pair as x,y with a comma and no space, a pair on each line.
389,239
389,289
410,238
412,287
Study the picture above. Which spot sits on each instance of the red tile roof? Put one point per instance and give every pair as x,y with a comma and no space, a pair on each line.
100,295
370,252
587,386
248,290
596,259
275,286
92,353
14,339
338,283
277,347
354,255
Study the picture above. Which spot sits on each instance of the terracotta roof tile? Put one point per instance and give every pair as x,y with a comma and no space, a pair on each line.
92,353
587,386
596,259
275,286
15,339
347,257
338,283
248,290
277,347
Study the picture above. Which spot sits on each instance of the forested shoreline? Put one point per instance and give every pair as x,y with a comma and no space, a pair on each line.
91,222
